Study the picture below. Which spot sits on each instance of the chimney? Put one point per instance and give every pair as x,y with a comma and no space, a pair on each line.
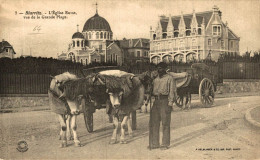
220,14
215,9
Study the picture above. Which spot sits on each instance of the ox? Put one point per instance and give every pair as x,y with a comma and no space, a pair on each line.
126,94
65,93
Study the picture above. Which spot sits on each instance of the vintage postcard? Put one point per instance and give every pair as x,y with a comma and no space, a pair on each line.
134,79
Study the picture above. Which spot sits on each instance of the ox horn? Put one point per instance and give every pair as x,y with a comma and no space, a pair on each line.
62,95
101,81
52,76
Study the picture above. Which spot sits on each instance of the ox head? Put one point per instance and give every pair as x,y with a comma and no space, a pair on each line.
71,90
113,88
115,97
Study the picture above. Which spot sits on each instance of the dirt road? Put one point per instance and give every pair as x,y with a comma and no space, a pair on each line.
219,132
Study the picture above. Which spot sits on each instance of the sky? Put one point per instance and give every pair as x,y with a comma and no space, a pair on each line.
127,19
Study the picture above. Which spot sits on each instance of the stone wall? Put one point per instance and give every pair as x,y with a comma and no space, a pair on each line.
17,101
239,85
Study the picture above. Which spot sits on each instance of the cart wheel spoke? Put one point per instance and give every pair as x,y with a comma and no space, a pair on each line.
206,92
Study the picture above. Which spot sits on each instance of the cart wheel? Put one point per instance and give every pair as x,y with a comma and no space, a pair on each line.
88,116
206,92
134,120
179,101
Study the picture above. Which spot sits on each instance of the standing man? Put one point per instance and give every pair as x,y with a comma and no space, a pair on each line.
164,91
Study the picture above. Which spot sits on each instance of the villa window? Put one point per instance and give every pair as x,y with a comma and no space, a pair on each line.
222,44
188,32
194,30
6,49
181,43
154,36
199,31
209,42
193,43
138,54
216,30
164,35
176,34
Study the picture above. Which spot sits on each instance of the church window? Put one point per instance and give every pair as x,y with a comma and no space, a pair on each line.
97,35
105,35
89,36
111,36
73,43
77,43
188,32
81,61
199,31
101,35
216,30
81,43
86,36
209,42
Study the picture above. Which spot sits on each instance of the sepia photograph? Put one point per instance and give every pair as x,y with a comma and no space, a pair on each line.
129,79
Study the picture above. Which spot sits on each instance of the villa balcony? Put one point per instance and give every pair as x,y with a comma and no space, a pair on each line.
176,49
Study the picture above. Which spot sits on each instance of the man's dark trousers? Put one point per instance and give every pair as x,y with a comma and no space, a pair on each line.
160,112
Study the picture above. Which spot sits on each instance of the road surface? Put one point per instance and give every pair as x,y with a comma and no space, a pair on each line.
219,132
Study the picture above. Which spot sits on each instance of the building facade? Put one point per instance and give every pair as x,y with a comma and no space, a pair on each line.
192,37
91,45
135,50
6,50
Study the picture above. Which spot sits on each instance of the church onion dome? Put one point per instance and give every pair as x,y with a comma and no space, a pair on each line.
96,23
78,35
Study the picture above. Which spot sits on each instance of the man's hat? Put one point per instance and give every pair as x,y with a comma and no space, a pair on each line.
162,65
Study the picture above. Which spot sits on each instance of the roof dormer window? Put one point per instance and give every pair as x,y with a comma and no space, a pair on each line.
216,30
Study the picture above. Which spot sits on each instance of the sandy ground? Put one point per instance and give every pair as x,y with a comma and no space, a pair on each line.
219,132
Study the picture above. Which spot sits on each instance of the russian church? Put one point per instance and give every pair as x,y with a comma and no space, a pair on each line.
94,44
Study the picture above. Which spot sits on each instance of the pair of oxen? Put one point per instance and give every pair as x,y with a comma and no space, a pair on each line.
123,91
